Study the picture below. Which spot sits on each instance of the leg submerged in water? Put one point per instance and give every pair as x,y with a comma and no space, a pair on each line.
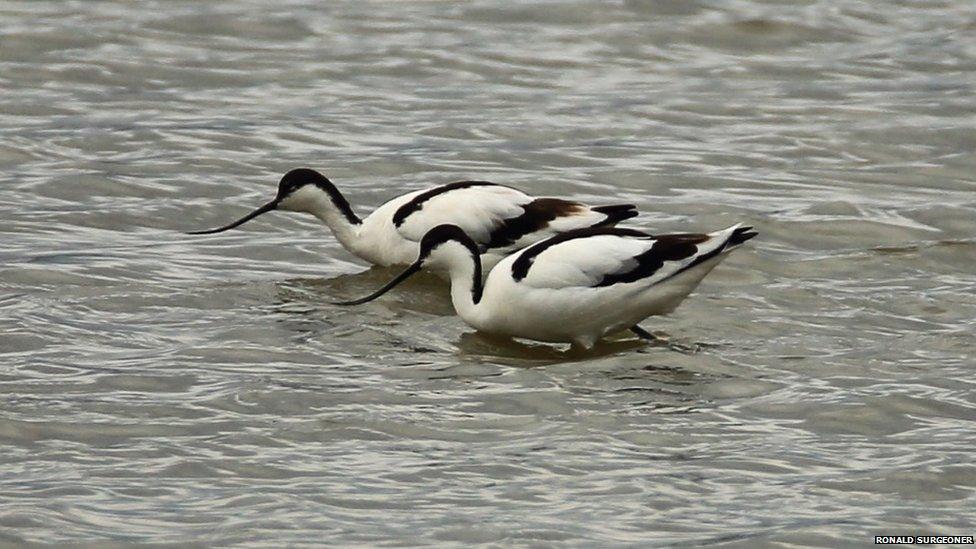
644,334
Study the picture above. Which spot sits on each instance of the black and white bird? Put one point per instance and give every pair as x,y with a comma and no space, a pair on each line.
575,287
498,219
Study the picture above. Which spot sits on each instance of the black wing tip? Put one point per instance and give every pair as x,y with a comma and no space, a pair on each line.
741,235
616,213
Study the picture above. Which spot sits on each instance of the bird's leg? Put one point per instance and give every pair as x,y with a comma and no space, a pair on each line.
666,341
644,334
583,343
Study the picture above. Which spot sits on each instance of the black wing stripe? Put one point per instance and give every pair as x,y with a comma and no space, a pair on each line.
522,264
669,247
540,212
417,203
738,236
536,215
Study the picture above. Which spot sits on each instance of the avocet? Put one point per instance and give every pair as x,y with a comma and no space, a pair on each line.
574,287
498,219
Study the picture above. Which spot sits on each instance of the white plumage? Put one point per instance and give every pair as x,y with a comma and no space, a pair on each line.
497,218
576,286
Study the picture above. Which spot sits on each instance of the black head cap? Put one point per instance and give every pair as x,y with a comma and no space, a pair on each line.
299,177
434,238
446,233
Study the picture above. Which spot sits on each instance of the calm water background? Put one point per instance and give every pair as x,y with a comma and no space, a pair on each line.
155,387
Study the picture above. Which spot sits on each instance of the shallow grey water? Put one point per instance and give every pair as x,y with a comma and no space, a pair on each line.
817,390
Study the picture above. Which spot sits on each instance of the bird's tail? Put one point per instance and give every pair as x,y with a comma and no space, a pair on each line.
740,235
615,213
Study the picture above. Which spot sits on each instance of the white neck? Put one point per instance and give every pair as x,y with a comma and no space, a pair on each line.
345,232
464,271
310,199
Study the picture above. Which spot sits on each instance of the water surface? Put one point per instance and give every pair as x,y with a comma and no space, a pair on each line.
817,389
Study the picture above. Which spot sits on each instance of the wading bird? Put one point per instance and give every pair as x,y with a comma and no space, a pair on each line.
575,287
498,219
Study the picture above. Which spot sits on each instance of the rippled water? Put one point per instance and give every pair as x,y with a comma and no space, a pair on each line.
817,390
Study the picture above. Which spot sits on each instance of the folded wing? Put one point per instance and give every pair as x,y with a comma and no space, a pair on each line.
603,257
500,218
